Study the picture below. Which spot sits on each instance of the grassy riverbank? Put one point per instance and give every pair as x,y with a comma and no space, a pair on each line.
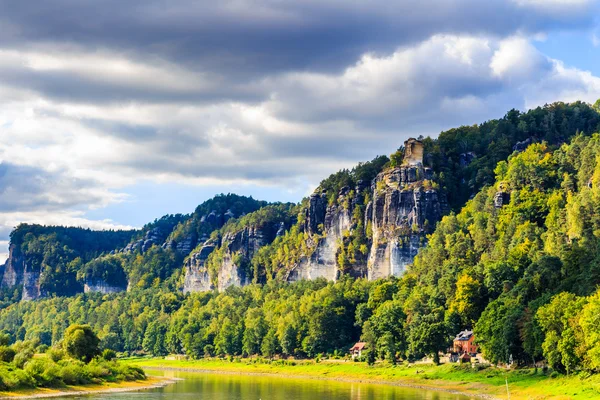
80,390
489,382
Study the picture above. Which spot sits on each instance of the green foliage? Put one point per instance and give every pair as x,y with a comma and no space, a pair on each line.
365,172
108,269
151,268
81,342
109,354
59,252
7,354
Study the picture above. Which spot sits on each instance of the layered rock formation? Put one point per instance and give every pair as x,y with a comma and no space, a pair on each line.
236,250
406,206
197,278
13,268
101,287
327,226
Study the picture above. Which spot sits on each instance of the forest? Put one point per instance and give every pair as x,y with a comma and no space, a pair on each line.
516,260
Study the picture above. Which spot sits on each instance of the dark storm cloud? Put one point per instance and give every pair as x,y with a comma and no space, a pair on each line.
66,85
26,188
244,39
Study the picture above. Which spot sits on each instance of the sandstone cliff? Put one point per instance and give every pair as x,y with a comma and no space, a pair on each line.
229,264
406,206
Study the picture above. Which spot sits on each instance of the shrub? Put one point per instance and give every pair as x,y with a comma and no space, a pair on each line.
42,348
74,374
22,357
55,354
44,372
109,354
7,354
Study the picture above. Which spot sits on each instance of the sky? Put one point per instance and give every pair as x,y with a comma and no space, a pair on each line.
114,113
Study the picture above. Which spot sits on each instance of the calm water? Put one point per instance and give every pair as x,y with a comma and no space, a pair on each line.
235,387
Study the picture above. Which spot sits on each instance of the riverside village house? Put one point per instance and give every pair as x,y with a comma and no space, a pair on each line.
357,349
463,347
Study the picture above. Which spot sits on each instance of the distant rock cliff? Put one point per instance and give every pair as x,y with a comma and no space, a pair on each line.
404,209
231,261
100,286
327,226
369,228
406,206
13,268
18,273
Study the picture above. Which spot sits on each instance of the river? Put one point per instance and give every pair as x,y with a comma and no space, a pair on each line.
205,386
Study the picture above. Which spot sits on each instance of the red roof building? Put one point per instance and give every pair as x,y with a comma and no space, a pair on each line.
356,350
464,343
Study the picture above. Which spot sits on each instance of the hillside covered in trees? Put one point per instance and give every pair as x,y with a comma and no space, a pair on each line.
517,262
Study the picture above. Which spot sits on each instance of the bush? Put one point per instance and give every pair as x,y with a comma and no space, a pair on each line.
22,357
55,354
44,372
74,374
42,348
109,354
7,354
81,342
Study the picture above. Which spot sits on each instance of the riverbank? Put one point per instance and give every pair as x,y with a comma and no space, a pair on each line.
80,390
489,383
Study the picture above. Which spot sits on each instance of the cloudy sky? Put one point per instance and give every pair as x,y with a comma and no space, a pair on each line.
113,113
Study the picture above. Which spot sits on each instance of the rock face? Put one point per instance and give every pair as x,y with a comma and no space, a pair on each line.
406,206
501,198
13,268
400,215
197,278
236,252
402,212
101,286
31,285
17,272
153,237
327,226
521,146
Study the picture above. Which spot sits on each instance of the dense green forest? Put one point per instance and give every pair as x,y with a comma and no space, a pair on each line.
518,263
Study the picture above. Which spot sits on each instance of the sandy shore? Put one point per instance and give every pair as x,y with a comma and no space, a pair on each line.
325,378
151,383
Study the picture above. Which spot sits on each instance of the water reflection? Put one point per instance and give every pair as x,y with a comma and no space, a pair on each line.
238,387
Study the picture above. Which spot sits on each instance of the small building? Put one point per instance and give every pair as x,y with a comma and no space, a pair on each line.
464,342
357,349
464,358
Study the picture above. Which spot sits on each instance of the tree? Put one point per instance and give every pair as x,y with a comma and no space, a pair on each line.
558,321
4,339
497,331
7,354
81,342
428,335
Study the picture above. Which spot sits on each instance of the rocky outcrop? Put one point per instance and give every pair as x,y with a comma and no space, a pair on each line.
13,268
327,226
521,146
197,278
322,263
153,237
101,286
236,250
402,212
501,199
465,159
31,285
406,206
